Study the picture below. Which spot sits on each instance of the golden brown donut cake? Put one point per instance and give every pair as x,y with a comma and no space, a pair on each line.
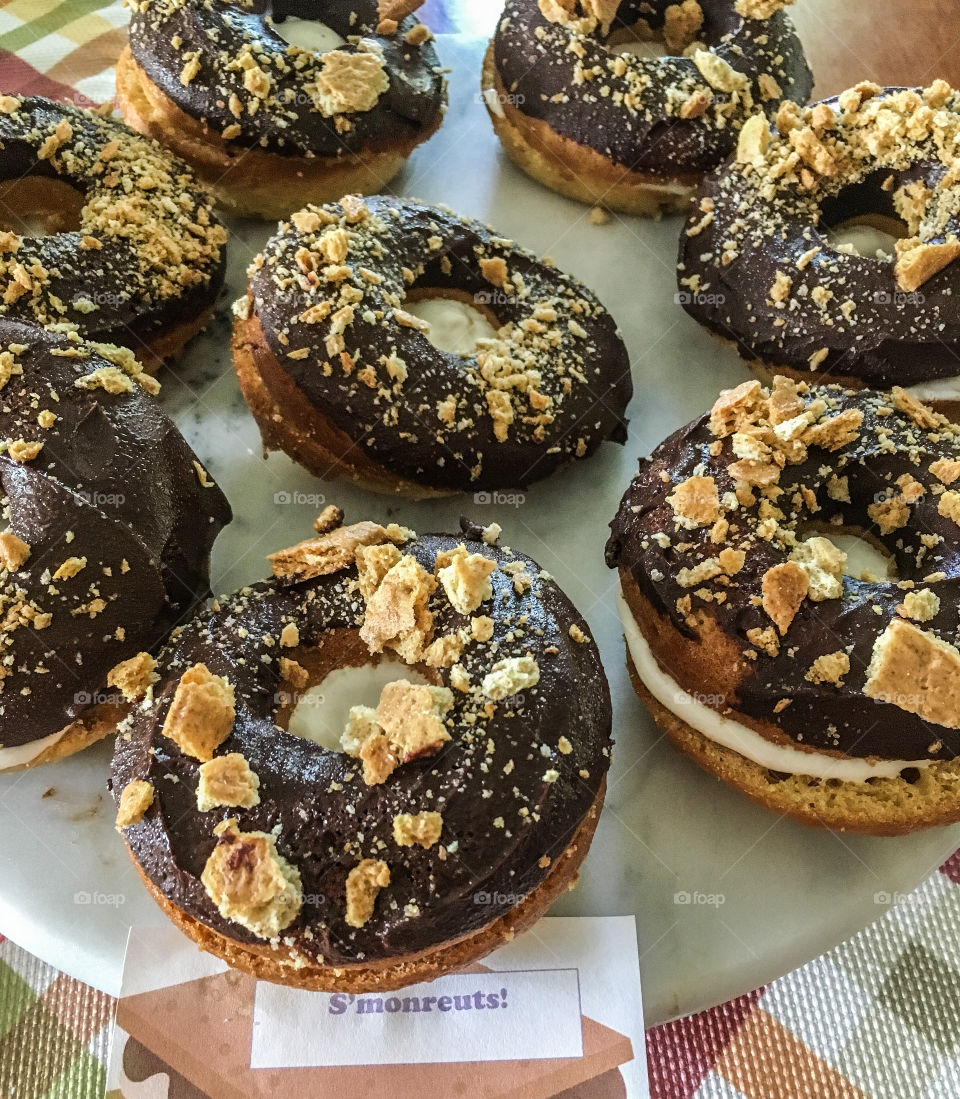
344,376
131,252
446,819
109,521
579,109
761,263
824,687
270,126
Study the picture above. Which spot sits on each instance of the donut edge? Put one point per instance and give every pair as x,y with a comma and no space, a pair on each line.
263,963
93,725
843,806
574,170
287,183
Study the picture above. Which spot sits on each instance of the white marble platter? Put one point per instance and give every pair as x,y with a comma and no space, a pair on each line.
764,894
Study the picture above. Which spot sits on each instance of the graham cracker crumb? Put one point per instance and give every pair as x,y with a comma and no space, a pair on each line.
829,668
920,605
133,677
695,502
397,614
423,828
510,676
13,551
135,799
364,883
784,588
465,577
349,82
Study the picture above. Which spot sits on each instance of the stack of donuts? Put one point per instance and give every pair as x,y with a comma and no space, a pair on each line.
418,353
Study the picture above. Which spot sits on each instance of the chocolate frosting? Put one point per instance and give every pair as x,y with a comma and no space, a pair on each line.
148,254
820,716
565,377
166,34
492,782
114,484
629,111
846,316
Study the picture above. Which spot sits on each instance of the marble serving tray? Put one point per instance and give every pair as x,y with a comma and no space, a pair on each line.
726,895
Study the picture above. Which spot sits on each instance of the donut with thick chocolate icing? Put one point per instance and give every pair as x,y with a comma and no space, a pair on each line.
271,126
448,817
146,261
343,377
760,264
627,131
109,524
822,689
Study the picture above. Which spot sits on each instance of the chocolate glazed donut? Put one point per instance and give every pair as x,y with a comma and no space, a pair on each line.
464,807
329,358
146,262
634,133
834,698
111,522
758,264
271,126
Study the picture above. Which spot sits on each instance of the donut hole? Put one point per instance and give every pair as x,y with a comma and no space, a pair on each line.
867,557
40,206
861,219
341,673
639,40
308,34
457,319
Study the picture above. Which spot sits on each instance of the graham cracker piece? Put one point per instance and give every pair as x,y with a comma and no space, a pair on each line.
349,81
829,668
918,262
823,563
736,408
784,589
920,605
397,612
135,799
364,883
227,780
921,414
695,502
250,882
681,24
946,470
423,828
13,551
916,671
330,552
465,578
510,676
133,677
201,715
759,9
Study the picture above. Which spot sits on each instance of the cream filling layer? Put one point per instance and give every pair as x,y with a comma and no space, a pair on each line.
738,738
27,753
937,389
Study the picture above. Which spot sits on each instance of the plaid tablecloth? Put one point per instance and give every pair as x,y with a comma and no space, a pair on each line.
877,1017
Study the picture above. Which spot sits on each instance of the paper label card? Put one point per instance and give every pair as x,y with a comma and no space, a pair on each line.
501,1016
559,1008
